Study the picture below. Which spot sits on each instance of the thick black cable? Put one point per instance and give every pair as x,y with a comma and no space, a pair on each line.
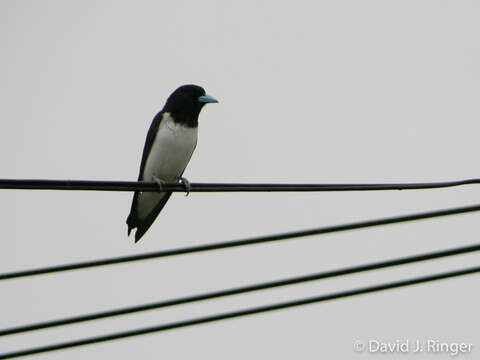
244,242
93,185
243,289
239,313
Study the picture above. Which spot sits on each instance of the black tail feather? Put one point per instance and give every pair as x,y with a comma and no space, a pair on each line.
143,225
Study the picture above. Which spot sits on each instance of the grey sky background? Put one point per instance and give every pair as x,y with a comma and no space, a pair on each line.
324,91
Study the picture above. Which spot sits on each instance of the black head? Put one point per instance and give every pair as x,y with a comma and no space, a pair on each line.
185,103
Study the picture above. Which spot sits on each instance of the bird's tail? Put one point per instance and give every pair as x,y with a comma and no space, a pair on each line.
132,220
131,223
143,225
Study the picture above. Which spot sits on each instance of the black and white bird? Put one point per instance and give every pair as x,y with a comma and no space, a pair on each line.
170,142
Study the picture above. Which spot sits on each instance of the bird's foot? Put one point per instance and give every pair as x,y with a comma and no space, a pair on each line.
160,183
186,184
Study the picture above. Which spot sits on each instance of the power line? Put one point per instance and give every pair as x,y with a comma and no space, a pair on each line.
244,242
243,289
92,185
239,313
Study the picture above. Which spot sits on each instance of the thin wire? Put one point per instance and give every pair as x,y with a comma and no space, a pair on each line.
244,242
242,290
92,185
239,313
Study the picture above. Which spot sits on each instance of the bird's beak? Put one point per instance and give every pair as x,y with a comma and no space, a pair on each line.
207,99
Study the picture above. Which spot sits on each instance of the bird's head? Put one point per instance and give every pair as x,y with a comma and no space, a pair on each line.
186,102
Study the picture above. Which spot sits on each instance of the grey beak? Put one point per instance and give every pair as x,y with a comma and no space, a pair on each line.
207,99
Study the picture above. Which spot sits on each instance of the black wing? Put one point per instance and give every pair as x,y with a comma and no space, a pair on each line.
152,132
132,220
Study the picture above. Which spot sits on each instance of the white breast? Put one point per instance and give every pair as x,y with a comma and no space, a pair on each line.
170,153
171,150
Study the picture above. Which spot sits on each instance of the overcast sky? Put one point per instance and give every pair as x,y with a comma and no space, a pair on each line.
320,91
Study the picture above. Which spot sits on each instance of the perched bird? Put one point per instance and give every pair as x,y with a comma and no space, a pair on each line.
170,142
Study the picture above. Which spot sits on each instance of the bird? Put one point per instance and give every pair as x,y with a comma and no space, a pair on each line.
170,142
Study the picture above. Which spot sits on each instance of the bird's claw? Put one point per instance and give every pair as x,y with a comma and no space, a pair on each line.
186,184
160,183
